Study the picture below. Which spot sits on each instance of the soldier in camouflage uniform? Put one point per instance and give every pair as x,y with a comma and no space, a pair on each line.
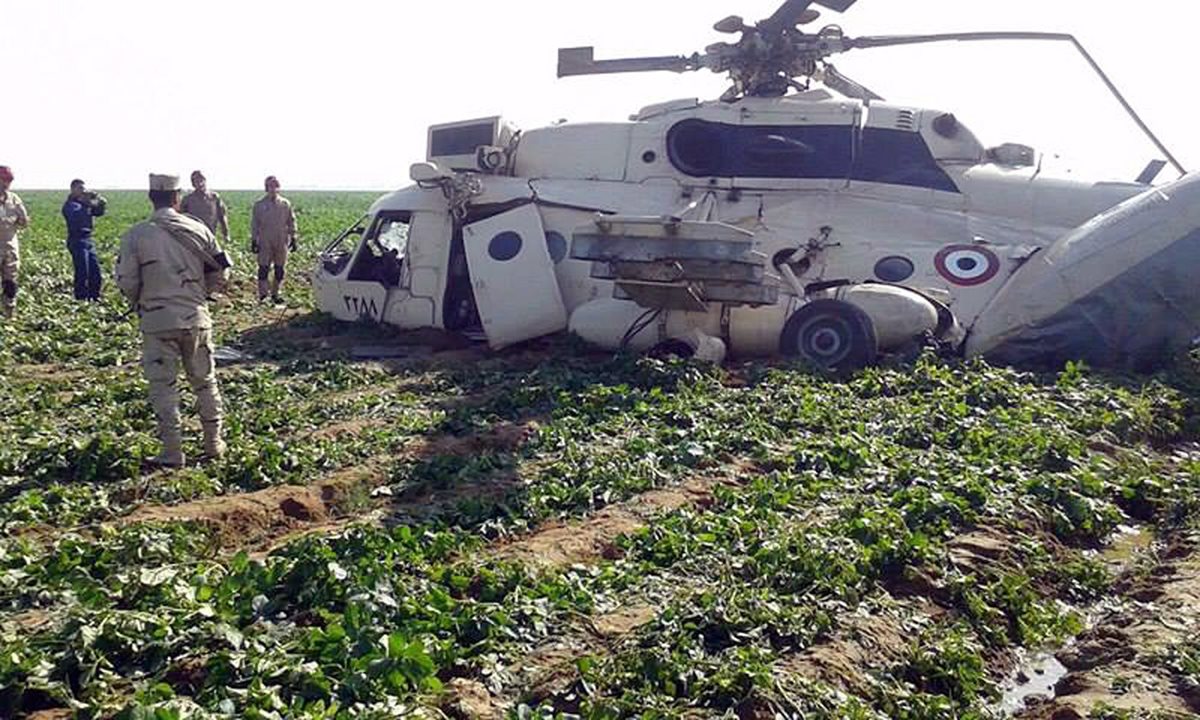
13,218
272,234
207,207
168,266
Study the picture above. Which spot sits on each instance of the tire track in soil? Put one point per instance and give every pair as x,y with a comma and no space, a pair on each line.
1119,661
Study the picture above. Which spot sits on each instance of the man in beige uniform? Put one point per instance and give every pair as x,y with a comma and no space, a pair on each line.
207,207
13,219
272,234
168,266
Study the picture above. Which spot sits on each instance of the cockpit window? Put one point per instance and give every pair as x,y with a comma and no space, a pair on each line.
391,232
381,257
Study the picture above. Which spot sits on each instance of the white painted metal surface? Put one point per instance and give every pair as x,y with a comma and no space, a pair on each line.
962,245
516,291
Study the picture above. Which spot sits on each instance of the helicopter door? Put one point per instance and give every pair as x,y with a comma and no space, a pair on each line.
516,290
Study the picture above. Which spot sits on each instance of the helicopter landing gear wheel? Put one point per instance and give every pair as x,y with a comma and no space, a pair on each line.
830,334
672,348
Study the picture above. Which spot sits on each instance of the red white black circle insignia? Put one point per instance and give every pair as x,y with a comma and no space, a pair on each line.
967,264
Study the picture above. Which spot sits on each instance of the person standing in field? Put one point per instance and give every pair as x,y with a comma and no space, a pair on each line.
167,268
272,235
80,209
13,219
207,207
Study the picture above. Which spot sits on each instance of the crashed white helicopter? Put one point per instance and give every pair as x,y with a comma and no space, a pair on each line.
799,214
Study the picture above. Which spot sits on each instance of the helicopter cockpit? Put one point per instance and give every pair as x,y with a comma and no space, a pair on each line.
378,256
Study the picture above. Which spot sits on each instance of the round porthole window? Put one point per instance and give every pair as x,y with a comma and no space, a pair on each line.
505,246
556,244
894,269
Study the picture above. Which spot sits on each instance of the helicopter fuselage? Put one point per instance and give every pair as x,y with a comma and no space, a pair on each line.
813,191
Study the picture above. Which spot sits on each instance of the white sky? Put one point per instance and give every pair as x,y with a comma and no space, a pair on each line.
339,94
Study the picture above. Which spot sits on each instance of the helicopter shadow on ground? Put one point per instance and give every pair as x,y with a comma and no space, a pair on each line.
468,468
316,336
464,469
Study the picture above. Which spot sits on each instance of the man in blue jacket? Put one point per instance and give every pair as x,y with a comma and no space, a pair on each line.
81,207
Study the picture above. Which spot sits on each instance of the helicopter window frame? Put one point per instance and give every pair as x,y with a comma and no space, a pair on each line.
892,156
703,148
369,260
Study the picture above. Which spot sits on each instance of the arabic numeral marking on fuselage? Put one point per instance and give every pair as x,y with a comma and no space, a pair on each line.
361,306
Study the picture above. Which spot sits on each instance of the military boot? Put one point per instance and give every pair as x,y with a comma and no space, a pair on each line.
214,445
172,449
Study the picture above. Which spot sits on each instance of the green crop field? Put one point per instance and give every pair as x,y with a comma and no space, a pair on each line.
556,532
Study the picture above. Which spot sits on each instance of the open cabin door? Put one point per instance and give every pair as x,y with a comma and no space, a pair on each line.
516,290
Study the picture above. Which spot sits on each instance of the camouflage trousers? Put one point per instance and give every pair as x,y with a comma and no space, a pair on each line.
10,263
271,252
162,355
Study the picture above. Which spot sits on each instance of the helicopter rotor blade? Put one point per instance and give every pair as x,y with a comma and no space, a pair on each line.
796,12
788,15
851,89
581,61
898,40
839,5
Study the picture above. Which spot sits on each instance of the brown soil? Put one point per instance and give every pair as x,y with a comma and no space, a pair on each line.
500,438
45,373
346,428
865,643
981,549
265,519
469,700
550,669
1119,662
254,518
29,620
55,714
592,539
623,620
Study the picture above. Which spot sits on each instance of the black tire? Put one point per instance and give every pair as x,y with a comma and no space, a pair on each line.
672,348
830,334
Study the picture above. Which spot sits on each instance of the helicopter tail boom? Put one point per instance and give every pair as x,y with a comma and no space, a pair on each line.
1115,292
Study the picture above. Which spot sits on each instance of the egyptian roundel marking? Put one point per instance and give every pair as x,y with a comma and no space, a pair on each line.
504,246
894,269
967,265
556,245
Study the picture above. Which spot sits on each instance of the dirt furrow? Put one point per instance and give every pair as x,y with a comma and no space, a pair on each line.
1122,662
587,541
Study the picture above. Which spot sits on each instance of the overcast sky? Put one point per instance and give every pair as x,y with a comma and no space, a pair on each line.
339,94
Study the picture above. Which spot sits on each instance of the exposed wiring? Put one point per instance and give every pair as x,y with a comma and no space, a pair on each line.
642,322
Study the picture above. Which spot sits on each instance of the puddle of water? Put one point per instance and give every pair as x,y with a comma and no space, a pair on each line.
1128,542
1035,676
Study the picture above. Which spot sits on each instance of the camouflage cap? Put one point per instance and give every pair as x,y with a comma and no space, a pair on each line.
164,183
